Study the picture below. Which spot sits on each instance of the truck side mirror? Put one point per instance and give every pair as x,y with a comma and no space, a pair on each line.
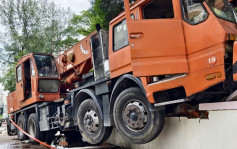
198,1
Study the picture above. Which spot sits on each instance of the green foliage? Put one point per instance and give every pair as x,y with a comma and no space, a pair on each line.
9,79
101,12
84,24
106,10
31,26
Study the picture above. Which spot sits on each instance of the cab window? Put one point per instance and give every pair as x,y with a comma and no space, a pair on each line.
46,66
193,13
120,35
19,73
158,9
222,9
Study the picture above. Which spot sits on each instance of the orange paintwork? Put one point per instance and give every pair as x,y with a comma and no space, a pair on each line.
70,71
120,61
82,51
171,46
193,82
12,103
16,99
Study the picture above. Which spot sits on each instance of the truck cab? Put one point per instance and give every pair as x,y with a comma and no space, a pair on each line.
180,51
37,80
181,45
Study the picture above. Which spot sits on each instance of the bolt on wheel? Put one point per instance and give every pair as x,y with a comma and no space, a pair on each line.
135,115
91,121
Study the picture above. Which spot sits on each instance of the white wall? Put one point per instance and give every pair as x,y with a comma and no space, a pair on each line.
217,132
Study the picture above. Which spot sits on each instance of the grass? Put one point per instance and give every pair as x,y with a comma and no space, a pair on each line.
0,116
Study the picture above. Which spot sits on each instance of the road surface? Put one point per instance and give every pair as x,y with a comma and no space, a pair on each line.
11,142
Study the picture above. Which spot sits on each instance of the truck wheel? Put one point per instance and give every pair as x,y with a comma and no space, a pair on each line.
91,124
133,119
8,127
21,122
33,128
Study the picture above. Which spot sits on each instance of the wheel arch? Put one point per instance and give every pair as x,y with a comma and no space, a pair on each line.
81,96
123,83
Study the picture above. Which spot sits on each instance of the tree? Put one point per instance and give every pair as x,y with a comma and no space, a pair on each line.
235,8
32,26
107,10
84,24
101,12
9,79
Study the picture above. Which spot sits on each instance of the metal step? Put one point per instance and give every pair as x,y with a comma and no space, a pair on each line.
232,96
171,102
103,146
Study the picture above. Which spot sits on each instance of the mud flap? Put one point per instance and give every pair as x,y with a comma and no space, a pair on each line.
235,61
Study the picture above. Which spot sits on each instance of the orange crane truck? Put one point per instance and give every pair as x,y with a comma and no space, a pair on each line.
157,55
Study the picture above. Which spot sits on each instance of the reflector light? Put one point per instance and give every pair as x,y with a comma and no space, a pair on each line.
213,76
232,37
218,75
210,77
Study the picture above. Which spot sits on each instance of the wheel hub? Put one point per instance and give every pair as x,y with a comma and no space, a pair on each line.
135,115
91,121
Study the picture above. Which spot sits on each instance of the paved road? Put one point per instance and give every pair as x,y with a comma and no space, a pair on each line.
11,142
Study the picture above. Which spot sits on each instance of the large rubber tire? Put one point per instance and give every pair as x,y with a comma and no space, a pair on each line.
33,128
154,119
102,133
22,123
8,127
